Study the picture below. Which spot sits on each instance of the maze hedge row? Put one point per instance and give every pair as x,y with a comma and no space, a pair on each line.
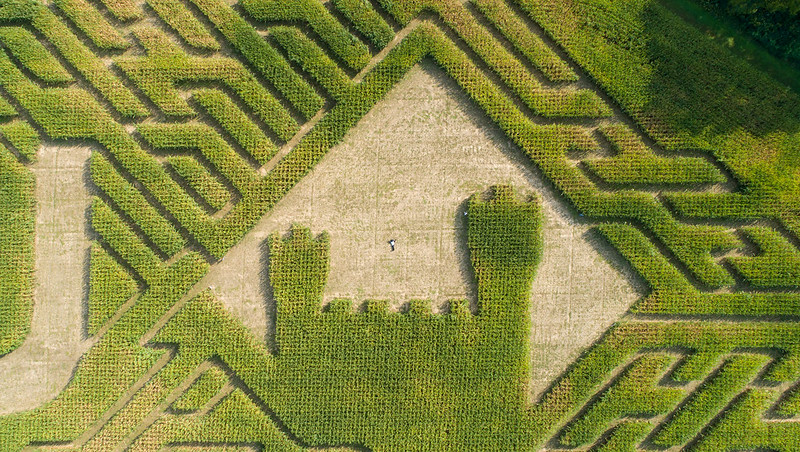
16,250
110,286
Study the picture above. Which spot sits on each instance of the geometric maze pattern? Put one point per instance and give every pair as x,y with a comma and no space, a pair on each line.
206,114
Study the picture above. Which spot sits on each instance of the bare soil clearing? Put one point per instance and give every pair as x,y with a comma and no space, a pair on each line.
404,173
41,367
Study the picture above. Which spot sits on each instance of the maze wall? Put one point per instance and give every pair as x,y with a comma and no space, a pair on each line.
205,114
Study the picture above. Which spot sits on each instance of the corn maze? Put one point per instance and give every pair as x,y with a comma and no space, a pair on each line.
204,114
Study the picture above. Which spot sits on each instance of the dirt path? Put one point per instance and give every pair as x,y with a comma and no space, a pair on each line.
41,367
406,176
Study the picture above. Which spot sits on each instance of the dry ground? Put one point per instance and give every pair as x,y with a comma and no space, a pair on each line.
40,368
404,173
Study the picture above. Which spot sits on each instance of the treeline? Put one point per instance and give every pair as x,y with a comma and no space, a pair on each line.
774,23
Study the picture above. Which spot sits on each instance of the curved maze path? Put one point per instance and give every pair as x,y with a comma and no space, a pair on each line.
181,186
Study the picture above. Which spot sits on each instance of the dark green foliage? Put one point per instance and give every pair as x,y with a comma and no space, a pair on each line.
211,147
89,20
505,244
527,43
6,109
685,90
166,65
709,399
181,20
121,238
776,265
366,20
788,6
23,137
201,181
542,101
625,437
237,124
773,23
314,61
453,380
705,344
123,10
742,427
110,286
635,393
789,406
89,65
244,38
16,251
344,45
32,54
134,204
207,385
634,163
